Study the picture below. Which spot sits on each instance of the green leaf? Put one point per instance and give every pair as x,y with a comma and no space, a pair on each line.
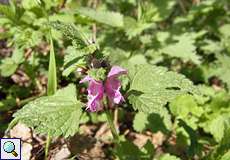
226,156
184,49
194,147
98,74
154,122
148,149
12,12
184,105
8,67
107,17
221,151
152,87
72,32
72,60
126,150
168,157
58,115
223,72
161,9
218,126
134,28
7,11
140,121
52,74
18,55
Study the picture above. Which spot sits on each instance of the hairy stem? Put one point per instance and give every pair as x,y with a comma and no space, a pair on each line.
112,126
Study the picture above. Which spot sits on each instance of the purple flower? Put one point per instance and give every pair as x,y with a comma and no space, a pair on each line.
113,85
95,94
112,89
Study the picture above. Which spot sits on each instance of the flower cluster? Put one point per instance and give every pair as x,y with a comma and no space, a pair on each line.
111,88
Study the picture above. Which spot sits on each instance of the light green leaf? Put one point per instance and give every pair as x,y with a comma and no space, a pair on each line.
221,151
154,122
58,114
8,67
184,105
134,28
18,55
98,74
218,126
107,17
223,72
168,157
140,121
152,87
226,156
184,49
72,60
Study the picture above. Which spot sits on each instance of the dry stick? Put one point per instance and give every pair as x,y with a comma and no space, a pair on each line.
94,27
196,2
62,4
115,120
182,6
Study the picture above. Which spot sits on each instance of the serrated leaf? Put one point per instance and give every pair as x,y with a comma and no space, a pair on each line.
184,49
223,72
134,28
59,114
218,126
107,17
152,87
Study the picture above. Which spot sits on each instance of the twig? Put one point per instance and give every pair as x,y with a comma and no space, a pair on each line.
62,4
182,6
196,2
94,27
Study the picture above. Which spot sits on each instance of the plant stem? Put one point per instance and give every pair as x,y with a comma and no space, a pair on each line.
48,140
52,77
112,126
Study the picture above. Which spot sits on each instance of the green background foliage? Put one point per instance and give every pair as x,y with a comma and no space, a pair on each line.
177,53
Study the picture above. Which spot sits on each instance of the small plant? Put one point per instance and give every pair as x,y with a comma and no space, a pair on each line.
157,68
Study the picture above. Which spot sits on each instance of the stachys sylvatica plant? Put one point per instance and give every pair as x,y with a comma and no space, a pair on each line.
145,88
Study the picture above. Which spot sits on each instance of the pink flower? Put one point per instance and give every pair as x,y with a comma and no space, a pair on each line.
112,89
95,94
113,85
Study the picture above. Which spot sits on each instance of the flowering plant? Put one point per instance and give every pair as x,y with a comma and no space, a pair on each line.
97,90
124,68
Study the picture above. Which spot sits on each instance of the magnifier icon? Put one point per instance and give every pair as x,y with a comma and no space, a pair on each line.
9,147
